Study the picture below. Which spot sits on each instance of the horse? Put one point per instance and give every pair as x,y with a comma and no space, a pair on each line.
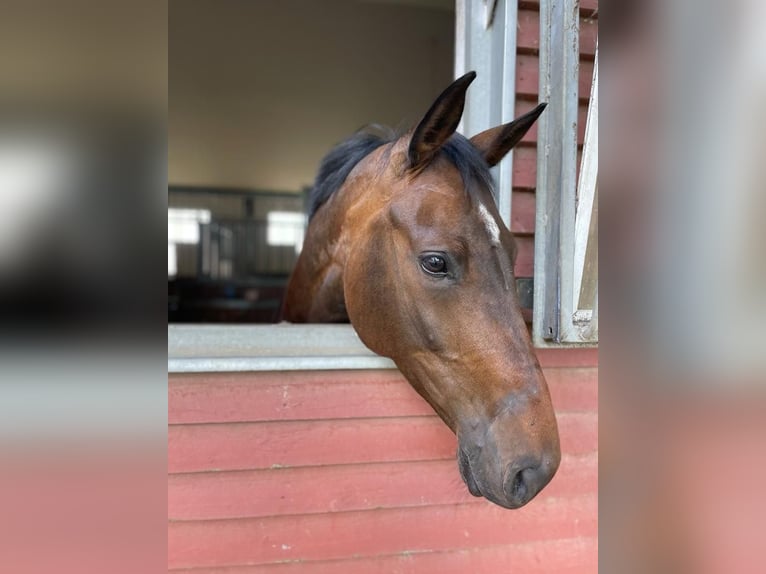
405,242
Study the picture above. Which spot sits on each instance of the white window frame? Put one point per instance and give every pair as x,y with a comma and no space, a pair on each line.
281,347
565,208
585,288
565,241
485,41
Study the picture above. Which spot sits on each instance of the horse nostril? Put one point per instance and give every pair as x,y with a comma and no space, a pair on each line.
518,487
522,485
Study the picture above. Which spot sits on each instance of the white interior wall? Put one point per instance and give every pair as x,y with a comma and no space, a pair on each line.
260,90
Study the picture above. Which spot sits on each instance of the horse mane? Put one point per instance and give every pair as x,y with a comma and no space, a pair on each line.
338,163
341,159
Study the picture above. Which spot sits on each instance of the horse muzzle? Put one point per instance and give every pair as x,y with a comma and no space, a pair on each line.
503,465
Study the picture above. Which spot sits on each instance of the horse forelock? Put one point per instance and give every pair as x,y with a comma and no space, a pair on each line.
473,168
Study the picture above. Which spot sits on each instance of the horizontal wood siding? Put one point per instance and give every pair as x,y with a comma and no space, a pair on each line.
559,556
293,490
383,531
351,471
234,398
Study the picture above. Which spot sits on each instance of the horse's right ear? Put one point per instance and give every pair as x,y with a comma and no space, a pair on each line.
439,123
495,142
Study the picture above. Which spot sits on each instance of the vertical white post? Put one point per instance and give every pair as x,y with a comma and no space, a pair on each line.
485,41
556,171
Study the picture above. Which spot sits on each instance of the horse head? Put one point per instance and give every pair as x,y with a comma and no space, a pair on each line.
424,268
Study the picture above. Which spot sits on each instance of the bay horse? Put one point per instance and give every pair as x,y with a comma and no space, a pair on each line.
405,242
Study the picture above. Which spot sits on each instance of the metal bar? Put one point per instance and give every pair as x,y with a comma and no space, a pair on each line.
553,320
545,324
570,59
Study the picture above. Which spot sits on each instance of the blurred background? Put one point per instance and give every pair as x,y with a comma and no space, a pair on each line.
258,93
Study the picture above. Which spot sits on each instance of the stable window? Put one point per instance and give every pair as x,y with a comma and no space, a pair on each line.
258,93
183,230
565,264
286,228
566,216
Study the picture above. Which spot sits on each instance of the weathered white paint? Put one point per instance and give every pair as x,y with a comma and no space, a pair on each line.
554,319
586,188
485,41
282,347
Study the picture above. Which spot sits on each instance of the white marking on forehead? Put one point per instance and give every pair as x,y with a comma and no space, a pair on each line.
490,224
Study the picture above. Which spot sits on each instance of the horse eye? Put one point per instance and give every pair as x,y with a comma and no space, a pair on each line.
434,264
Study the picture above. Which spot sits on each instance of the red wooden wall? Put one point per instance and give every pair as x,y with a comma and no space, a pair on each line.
350,471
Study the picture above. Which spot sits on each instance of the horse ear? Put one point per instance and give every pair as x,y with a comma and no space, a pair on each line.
439,123
495,142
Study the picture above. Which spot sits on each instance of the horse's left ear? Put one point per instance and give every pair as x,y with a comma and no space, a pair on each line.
439,123
494,143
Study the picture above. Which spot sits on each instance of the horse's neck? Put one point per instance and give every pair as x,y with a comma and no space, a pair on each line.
315,290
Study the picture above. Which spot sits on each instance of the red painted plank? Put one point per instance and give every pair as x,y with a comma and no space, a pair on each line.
528,37
528,73
578,357
522,211
589,6
238,397
525,167
563,556
369,533
336,488
525,257
524,106
242,446
528,30
573,389
250,397
578,432
296,443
